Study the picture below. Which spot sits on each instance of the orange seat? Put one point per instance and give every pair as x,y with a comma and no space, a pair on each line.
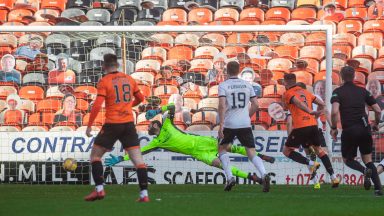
7,4
343,50
89,91
374,39
232,51
222,22
161,39
145,90
187,39
265,102
378,64
252,14
258,50
273,22
346,39
278,127
279,65
247,22
201,65
375,12
314,52
381,52
165,91
99,120
356,3
326,22
304,77
32,5
3,15
373,25
54,4
359,13
313,64
180,53
147,65
304,13
364,51
52,12
48,105
239,39
321,76
290,52
292,39
175,15
316,39
227,14
215,39
7,90
157,53
261,117
278,13
273,91
205,117
144,77
350,26
34,93
200,15
206,52
342,4
360,78
82,105
41,119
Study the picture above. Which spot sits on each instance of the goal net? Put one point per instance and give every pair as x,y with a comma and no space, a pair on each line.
47,94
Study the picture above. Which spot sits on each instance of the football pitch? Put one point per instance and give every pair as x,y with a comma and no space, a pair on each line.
56,200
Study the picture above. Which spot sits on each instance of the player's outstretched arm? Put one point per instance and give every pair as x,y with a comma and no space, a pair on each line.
152,113
113,160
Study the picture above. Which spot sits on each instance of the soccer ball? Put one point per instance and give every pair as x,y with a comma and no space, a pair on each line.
70,164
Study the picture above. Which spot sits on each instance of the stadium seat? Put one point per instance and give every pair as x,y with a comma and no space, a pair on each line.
165,91
48,105
304,77
100,15
202,16
238,5
341,4
283,3
201,66
161,39
265,102
291,52
198,127
373,26
7,4
206,52
124,16
346,39
27,106
337,64
344,50
356,3
9,129
99,120
236,39
180,53
321,76
374,39
145,77
60,129
214,39
209,104
34,129
41,119
55,4
314,52
53,92
292,39
350,26
175,15
232,51
359,13
7,90
252,14
190,103
205,118
326,22
375,12
32,5
39,13
304,13
278,13
156,53
279,65
364,52
365,65
148,65
316,39
227,14
273,91
187,39
381,52
99,52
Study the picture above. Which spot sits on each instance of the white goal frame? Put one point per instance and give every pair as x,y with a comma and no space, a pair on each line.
225,28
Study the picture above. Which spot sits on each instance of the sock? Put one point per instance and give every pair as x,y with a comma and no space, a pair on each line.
143,193
315,180
353,164
375,177
295,156
237,172
258,163
142,176
327,164
99,188
97,172
224,158
238,150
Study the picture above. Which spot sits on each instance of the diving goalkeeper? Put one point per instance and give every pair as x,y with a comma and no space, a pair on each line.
202,148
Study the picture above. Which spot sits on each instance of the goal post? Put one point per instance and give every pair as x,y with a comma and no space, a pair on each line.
54,146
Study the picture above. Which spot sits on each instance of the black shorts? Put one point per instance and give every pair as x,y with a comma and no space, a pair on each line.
124,132
305,137
356,137
244,135
323,143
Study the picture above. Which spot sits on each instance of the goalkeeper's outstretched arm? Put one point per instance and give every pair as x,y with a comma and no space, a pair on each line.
113,160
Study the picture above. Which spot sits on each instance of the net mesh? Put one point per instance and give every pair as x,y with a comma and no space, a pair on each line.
46,98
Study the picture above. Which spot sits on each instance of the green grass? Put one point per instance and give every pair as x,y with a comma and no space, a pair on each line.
52,200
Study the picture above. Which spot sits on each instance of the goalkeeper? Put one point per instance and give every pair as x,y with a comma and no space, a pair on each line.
202,148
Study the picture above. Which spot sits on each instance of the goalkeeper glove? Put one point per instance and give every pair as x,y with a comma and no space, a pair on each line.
113,160
152,113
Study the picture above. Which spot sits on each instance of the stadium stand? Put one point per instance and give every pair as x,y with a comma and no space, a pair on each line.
164,65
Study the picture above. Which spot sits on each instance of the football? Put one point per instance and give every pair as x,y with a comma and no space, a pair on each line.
70,164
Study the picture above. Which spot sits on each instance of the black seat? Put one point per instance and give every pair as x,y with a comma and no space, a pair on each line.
124,15
83,4
151,14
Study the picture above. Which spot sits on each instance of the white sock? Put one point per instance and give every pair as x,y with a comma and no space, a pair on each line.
333,176
315,180
224,158
311,163
258,163
143,193
99,188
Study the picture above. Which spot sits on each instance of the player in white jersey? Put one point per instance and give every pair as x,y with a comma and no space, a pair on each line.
235,121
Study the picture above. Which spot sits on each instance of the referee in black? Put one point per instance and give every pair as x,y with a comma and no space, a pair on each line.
350,101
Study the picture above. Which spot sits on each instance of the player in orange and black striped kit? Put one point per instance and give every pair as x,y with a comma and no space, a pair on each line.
120,93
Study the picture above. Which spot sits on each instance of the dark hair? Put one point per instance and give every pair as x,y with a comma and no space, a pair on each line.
233,68
110,60
290,77
157,122
347,73
301,85
68,95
